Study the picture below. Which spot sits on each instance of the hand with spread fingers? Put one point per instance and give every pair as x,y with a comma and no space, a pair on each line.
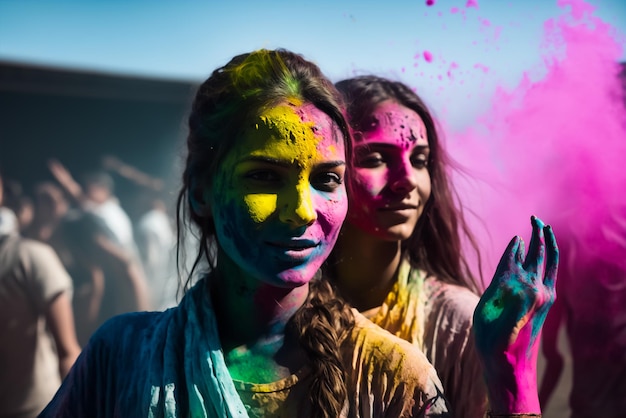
509,318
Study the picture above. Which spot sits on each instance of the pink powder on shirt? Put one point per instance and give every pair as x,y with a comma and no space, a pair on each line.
428,56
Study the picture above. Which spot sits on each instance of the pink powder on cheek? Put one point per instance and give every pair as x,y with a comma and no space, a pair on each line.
367,183
331,212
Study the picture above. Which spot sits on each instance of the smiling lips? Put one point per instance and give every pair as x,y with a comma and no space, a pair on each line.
398,208
295,244
295,249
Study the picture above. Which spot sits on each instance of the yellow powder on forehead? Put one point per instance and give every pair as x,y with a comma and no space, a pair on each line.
298,138
296,101
291,140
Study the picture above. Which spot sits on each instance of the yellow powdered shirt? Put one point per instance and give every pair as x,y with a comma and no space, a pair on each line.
386,377
437,317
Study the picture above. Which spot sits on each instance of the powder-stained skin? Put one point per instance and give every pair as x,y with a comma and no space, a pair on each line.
518,299
281,195
390,183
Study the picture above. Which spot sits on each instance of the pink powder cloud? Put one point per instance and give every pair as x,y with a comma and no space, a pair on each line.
555,147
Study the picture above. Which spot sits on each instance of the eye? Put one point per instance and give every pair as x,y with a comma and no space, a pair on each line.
419,160
263,176
370,160
326,181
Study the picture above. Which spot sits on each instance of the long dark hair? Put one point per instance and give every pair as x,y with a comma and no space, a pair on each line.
243,88
435,245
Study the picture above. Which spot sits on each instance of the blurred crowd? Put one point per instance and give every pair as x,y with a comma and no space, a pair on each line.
72,255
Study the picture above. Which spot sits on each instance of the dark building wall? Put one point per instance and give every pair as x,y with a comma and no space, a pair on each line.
78,117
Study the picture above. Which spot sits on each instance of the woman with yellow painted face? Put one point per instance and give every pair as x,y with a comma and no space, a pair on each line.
259,335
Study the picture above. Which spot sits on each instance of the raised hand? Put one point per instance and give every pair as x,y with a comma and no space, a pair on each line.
111,162
65,179
59,171
509,317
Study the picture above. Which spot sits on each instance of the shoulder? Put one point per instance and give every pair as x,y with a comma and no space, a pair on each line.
391,372
78,227
112,368
39,258
30,247
387,350
124,339
127,326
386,355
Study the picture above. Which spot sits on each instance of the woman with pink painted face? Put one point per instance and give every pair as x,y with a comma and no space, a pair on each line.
260,334
398,259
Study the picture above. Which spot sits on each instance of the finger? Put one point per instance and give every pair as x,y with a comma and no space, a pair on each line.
521,252
536,248
552,259
507,260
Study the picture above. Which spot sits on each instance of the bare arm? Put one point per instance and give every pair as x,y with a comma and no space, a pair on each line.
87,304
96,294
132,173
60,320
140,288
127,271
65,179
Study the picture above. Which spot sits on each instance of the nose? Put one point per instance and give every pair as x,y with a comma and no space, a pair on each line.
403,178
296,207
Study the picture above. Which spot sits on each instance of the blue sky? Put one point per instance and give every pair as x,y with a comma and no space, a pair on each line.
486,46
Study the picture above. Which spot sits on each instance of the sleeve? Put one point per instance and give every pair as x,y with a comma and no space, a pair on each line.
79,393
421,385
48,276
109,377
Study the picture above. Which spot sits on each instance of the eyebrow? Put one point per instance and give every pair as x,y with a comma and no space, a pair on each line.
331,164
288,164
376,145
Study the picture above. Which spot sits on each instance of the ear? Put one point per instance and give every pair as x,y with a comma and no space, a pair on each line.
199,200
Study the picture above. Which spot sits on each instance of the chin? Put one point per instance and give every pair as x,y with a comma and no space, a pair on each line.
400,236
293,278
290,281
394,233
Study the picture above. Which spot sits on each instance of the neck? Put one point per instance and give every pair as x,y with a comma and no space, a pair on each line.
252,319
248,309
365,267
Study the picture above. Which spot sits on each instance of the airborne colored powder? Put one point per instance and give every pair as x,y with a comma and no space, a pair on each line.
553,147
556,148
